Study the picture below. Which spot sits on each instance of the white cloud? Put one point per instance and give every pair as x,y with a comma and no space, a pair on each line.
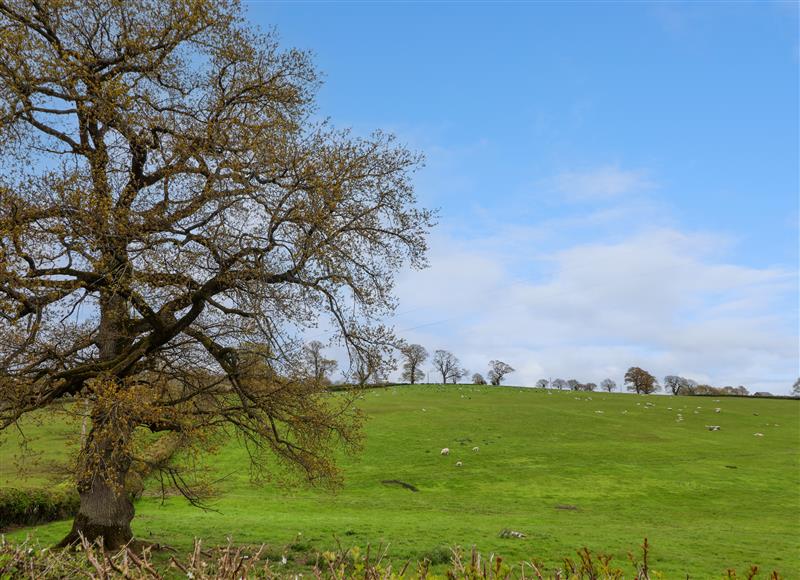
601,183
661,299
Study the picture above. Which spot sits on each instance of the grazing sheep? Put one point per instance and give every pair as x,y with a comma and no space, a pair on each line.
717,410
712,427
459,464
475,449
598,411
506,533
446,451
758,434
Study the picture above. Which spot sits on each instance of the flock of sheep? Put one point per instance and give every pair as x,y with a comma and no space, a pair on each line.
446,450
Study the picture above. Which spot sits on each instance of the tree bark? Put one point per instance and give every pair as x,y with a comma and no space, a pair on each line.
106,510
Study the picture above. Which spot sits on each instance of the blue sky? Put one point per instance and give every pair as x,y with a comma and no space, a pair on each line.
618,183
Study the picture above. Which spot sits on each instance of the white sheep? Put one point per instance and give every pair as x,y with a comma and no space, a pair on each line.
712,427
458,464
446,451
758,434
717,410
475,449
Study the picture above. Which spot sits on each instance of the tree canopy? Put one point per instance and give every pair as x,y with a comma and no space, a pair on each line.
498,370
640,381
170,215
447,365
414,355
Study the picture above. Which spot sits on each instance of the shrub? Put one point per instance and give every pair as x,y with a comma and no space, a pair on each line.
32,506
28,507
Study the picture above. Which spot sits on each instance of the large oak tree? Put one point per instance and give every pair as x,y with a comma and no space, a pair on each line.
171,215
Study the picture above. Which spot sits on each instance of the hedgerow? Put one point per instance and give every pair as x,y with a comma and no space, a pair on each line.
25,560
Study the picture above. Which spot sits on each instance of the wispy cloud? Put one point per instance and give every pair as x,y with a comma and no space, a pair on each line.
601,183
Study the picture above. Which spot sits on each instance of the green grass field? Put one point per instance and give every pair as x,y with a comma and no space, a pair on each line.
705,500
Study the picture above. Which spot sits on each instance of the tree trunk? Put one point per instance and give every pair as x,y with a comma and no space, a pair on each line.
106,510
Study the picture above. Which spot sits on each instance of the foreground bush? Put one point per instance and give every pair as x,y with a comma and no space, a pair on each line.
230,562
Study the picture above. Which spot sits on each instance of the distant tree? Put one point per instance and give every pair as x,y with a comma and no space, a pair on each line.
741,391
448,366
589,386
497,370
317,366
369,367
559,384
608,385
363,371
477,379
673,384
542,383
678,385
704,390
796,388
690,388
414,355
640,381
458,374
574,385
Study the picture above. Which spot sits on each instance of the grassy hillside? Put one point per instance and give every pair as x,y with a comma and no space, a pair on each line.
624,469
